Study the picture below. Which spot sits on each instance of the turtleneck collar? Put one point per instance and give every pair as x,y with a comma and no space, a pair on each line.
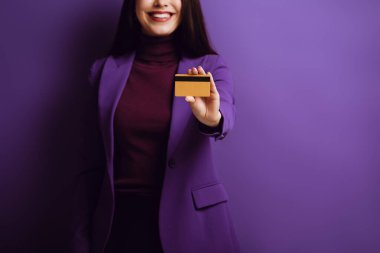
157,50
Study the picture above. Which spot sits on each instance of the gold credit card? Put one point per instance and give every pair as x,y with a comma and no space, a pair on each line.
192,85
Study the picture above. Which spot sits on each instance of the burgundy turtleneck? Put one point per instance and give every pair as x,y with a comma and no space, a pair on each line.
142,117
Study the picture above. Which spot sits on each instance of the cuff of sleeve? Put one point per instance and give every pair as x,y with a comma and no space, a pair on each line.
212,131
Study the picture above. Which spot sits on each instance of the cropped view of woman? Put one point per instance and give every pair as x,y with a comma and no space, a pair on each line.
161,191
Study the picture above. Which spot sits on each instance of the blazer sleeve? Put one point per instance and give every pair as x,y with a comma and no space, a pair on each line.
224,84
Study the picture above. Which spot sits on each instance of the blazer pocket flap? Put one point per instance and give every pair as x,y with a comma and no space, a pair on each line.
209,195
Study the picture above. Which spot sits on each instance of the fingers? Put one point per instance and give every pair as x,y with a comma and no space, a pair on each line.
213,86
190,99
201,71
192,71
196,71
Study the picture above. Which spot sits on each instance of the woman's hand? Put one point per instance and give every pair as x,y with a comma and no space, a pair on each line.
205,109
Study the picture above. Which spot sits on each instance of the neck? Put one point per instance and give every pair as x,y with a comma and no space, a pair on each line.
157,49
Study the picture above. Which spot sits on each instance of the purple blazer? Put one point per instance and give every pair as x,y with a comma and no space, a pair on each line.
194,214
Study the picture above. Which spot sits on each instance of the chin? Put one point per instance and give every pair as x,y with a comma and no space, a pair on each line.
161,33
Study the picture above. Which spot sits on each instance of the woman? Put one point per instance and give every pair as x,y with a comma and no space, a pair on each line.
160,191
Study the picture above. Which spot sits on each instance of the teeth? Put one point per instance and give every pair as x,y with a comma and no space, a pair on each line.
163,15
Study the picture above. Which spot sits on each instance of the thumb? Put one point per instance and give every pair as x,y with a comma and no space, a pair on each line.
190,99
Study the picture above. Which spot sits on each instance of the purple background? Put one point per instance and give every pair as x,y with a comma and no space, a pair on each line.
302,163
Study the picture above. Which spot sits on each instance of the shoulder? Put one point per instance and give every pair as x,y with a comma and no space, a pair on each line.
215,59
95,69
215,62
217,65
97,64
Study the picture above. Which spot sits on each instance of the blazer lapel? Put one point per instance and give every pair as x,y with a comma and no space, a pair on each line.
114,78
181,112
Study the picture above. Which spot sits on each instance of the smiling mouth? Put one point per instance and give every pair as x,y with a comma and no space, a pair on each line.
160,16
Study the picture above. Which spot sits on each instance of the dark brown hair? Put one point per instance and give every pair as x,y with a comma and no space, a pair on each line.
191,34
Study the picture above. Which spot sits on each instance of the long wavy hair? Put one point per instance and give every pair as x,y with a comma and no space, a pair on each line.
191,35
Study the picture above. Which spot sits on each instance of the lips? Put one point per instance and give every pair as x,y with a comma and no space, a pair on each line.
155,13
160,16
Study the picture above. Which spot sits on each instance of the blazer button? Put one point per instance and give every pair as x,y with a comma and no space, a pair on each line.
171,163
